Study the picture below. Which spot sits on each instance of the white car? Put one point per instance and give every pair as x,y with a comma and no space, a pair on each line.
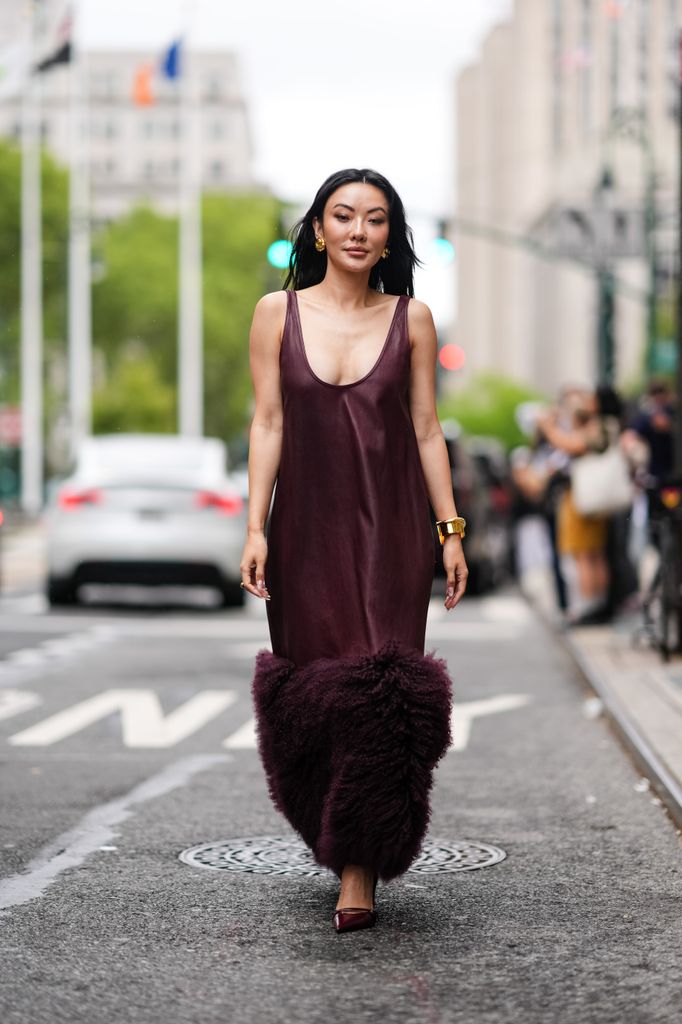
147,509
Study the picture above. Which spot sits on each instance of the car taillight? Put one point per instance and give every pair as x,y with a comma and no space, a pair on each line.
76,499
228,504
671,496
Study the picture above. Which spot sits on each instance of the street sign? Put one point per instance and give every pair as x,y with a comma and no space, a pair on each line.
10,426
584,233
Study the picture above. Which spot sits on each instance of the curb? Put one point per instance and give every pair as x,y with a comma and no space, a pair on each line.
664,783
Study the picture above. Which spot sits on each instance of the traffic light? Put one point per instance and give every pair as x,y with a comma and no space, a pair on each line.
279,253
441,249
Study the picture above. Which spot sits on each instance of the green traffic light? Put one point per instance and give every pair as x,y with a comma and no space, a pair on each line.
441,251
279,253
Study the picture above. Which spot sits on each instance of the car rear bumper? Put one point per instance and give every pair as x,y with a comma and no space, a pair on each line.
150,553
149,573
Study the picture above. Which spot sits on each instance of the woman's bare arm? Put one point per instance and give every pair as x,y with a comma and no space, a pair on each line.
265,435
432,449
573,442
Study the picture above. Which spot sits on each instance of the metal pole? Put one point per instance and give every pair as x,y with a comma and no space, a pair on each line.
678,417
31,291
606,342
190,311
80,315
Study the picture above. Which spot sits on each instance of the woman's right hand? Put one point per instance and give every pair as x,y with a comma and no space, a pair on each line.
252,564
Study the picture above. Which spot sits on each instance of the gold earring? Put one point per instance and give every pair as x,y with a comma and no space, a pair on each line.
386,253
320,244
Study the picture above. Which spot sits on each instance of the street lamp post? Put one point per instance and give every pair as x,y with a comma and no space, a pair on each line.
678,282
632,123
606,347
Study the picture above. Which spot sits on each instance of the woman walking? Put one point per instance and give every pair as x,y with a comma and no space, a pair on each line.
351,714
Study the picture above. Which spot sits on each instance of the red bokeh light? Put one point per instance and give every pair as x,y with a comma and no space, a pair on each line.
452,357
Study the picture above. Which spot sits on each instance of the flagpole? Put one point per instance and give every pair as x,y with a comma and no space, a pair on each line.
190,307
79,294
31,288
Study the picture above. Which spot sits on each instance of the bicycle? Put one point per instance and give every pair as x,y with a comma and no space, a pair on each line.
661,602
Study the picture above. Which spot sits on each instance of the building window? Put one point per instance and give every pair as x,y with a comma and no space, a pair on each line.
557,76
148,170
614,60
672,39
103,84
584,63
147,129
643,28
214,87
216,129
216,170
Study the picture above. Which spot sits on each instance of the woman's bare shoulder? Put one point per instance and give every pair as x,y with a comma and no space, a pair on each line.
419,319
272,303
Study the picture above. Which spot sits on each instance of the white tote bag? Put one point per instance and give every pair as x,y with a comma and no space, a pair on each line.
600,482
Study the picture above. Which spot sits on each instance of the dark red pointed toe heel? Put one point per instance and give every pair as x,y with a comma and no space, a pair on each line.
352,919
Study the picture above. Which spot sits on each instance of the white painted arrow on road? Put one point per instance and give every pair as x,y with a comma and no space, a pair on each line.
463,717
143,722
464,714
15,702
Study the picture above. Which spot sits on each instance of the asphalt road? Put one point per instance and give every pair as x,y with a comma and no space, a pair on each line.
126,738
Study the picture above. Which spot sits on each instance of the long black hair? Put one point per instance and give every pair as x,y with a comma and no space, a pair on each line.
393,275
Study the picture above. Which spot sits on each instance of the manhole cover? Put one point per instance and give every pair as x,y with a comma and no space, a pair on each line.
274,855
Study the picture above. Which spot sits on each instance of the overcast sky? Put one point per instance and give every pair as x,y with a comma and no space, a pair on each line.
330,85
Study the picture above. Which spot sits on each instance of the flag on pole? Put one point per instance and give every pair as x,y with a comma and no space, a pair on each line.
142,86
14,68
170,62
60,45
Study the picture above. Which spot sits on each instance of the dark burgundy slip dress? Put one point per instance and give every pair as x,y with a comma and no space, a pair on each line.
351,714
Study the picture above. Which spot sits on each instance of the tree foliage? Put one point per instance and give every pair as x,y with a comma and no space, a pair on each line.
135,302
486,407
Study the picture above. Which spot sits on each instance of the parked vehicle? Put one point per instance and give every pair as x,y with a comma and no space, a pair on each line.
483,495
146,509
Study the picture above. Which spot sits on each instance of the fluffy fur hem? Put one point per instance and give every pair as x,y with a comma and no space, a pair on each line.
349,745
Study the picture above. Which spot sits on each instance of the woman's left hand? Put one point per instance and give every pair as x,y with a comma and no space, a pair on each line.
456,570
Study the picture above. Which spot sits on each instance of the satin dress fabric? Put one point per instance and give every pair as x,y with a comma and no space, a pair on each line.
351,714
350,545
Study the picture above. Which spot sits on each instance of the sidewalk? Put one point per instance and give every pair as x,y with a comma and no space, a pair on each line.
642,696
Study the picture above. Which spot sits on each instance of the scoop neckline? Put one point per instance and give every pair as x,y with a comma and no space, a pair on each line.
351,383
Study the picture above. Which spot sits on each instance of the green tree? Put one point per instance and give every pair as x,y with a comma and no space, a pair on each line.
486,407
135,397
135,301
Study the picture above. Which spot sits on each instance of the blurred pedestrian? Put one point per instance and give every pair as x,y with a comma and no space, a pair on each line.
581,537
653,425
536,471
351,714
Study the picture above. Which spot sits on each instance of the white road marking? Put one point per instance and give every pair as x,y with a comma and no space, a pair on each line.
15,702
505,608
473,632
97,828
142,719
464,714
32,662
244,738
